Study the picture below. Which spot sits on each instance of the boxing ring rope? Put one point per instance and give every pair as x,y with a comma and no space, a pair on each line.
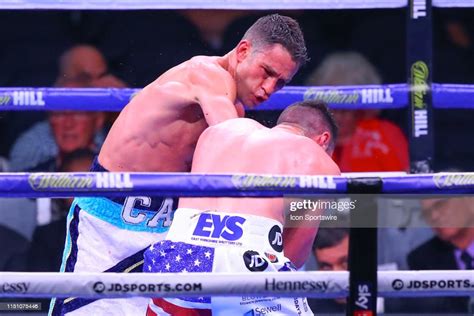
316,284
216,4
202,4
64,184
391,96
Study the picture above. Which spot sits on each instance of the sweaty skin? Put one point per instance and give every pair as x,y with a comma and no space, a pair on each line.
159,128
165,119
246,146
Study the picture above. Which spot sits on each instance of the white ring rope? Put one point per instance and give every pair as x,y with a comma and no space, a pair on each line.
201,4
284,284
216,4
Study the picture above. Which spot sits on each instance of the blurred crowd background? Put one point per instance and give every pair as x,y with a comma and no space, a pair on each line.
132,48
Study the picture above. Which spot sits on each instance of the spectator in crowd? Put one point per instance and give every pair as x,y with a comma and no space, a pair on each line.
366,142
401,229
64,132
330,250
452,248
32,41
41,147
369,143
81,64
44,145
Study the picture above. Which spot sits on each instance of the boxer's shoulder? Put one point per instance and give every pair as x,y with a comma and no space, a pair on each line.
209,70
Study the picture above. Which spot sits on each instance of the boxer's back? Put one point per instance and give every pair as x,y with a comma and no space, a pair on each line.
245,146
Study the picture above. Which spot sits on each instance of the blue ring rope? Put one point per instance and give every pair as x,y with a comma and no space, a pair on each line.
391,96
218,185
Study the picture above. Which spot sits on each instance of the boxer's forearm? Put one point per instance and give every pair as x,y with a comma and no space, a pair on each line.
297,243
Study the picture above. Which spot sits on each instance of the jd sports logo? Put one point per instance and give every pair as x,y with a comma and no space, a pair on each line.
99,287
397,284
275,238
217,226
254,261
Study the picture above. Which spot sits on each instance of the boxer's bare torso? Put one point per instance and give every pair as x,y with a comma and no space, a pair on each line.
159,128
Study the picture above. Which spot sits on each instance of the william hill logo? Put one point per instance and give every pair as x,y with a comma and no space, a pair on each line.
110,180
59,181
365,96
255,181
250,181
453,180
34,98
68,181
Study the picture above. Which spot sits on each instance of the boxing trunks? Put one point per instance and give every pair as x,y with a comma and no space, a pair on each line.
109,234
221,242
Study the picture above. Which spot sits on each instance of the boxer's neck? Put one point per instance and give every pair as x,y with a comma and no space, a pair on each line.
291,128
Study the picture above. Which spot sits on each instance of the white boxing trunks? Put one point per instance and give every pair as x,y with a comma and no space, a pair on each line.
221,242
108,234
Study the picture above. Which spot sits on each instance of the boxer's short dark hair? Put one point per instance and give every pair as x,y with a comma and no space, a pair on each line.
313,116
279,29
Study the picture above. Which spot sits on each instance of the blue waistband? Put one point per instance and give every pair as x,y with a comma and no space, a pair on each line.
96,166
128,217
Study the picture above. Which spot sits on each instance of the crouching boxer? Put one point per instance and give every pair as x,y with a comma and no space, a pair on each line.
245,234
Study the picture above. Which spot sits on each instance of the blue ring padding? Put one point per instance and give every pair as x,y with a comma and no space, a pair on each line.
113,99
456,183
201,185
393,96
164,184
449,96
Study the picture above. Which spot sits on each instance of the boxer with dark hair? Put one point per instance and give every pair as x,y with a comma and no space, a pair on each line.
157,132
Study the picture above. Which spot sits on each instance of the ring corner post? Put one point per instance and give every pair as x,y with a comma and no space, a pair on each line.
419,68
363,286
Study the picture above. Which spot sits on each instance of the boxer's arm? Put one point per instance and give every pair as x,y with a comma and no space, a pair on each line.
298,241
217,108
214,90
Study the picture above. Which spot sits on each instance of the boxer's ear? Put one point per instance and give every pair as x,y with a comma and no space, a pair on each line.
243,50
323,140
